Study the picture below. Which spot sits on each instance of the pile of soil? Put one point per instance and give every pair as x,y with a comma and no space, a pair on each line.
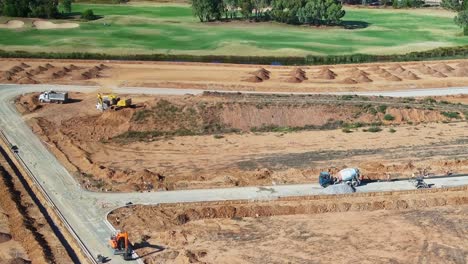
460,72
363,79
8,75
439,75
462,64
359,73
393,78
19,260
409,75
349,81
374,68
49,66
425,69
326,74
397,68
73,67
297,76
58,74
4,237
443,68
24,65
27,80
16,69
259,75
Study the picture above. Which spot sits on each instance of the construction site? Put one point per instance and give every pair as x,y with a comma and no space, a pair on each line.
222,163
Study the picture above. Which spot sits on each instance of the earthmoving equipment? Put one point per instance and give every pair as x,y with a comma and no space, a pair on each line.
350,176
53,97
419,183
119,242
111,101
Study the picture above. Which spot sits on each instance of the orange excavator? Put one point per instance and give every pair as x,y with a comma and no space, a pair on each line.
119,242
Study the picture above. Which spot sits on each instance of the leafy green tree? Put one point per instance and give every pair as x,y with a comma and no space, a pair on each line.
208,10
246,8
453,5
67,5
462,20
321,12
88,14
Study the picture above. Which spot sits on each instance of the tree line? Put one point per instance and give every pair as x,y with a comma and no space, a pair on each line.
462,8
29,8
311,12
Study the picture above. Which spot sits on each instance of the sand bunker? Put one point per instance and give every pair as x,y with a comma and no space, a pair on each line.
40,24
13,24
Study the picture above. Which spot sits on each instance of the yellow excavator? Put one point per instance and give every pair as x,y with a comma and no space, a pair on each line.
111,101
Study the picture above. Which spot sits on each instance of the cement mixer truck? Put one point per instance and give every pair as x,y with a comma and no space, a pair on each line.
350,176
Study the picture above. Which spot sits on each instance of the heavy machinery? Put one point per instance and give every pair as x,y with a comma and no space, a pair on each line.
53,97
120,244
350,176
111,101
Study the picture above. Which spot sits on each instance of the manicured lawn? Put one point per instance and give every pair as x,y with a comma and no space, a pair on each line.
173,29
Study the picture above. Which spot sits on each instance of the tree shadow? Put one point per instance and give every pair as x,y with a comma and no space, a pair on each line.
147,245
350,24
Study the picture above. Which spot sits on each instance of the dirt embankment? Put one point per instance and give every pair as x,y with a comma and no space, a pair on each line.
148,152
27,223
223,231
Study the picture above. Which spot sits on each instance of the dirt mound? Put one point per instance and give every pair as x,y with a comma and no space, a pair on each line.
460,72
25,74
24,65
443,68
58,74
326,74
359,73
8,75
19,260
73,67
373,68
425,69
65,69
16,69
294,79
4,237
104,67
439,75
263,76
49,66
27,80
349,81
409,75
393,78
463,64
382,71
397,68
261,70
363,79
253,79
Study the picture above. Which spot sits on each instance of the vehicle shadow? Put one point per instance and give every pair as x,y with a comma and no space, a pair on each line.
350,24
147,245
73,100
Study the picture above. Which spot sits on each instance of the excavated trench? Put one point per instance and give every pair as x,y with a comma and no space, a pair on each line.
169,215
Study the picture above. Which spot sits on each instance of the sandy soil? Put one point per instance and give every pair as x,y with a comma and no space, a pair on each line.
359,77
90,144
13,24
407,227
40,24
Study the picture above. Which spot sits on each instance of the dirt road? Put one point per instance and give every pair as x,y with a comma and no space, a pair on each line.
231,77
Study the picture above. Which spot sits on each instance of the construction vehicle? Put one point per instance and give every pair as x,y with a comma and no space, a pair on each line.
120,244
111,101
350,176
53,97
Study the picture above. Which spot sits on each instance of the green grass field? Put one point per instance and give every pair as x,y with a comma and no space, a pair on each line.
171,29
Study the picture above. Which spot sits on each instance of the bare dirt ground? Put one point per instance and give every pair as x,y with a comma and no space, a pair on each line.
26,235
219,140
400,227
359,77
